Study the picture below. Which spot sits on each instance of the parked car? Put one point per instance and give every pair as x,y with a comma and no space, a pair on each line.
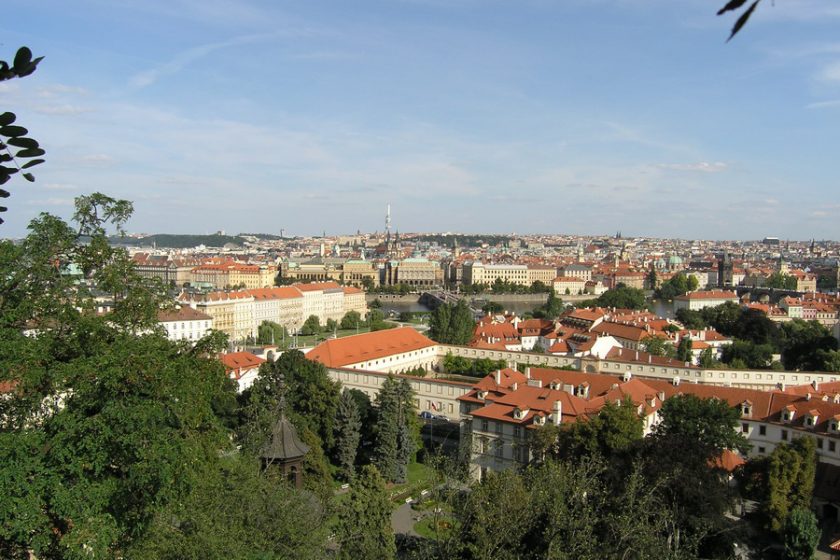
442,417
426,415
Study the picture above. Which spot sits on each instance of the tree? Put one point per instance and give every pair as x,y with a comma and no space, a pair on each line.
270,332
709,422
348,425
311,326
331,325
376,320
235,511
801,534
111,427
452,324
789,481
807,346
15,136
658,346
609,433
684,353
351,320
364,523
494,516
747,354
622,297
691,319
397,430
553,306
311,399
651,279
781,281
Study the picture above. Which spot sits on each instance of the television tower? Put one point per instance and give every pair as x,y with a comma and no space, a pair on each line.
388,220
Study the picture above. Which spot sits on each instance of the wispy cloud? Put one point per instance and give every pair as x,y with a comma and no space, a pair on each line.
65,109
824,104
702,166
184,58
830,73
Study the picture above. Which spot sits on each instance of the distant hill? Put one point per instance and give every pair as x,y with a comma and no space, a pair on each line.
268,236
174,241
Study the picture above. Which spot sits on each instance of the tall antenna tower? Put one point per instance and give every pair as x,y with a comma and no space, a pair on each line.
388,220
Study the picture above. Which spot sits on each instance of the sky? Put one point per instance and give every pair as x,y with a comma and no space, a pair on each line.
529,116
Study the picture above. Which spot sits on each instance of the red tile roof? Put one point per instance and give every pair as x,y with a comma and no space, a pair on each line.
339,352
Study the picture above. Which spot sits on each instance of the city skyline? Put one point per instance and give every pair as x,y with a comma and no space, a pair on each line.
464,116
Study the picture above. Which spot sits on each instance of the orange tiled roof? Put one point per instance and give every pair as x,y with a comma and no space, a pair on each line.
339,352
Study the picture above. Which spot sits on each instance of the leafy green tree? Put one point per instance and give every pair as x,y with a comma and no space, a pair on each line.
746,354
311,399
311,326
13,136
348,426
651,280
553,306
492,307
461,324
803,341
494,516
234,511
111,427
452,324
677,285
684,353
801,534
364,524
781,281
658,346
709,422
691,318
351,320
331,325
376,320
614,430
622,297
789,481
270,332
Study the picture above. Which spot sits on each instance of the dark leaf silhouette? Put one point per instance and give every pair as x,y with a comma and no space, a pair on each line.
742,19
731,5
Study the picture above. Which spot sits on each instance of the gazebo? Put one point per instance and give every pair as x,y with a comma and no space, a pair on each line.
285,450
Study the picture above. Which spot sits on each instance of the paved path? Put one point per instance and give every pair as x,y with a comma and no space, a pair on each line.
403,520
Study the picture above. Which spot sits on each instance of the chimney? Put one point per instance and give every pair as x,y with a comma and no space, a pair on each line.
676,381
527,373
498,377
661,395
515,386
650,358
815,385
808,397
637,354
556,412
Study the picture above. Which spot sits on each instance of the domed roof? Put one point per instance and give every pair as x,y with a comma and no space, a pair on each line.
675,259
285,443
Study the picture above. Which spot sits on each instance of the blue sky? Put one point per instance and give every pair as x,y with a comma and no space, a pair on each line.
566,116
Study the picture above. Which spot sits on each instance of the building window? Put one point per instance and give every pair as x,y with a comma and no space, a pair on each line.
498,427
819,443
485,426
761,450
832,446
517,431
762,430
745,428
784,435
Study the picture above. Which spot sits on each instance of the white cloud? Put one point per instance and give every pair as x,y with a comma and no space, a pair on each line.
830,73
823,104
702,166
50,202
65,109
61,187
97,159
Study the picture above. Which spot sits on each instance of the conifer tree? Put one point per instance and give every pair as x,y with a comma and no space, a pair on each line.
348,425
364,525
386,452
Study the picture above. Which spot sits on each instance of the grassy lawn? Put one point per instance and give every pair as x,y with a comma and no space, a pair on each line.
420,477
426,527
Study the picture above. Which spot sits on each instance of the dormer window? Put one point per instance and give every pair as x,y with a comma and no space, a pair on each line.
539,420
482,395
789,413
812,418
746,408
520,413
